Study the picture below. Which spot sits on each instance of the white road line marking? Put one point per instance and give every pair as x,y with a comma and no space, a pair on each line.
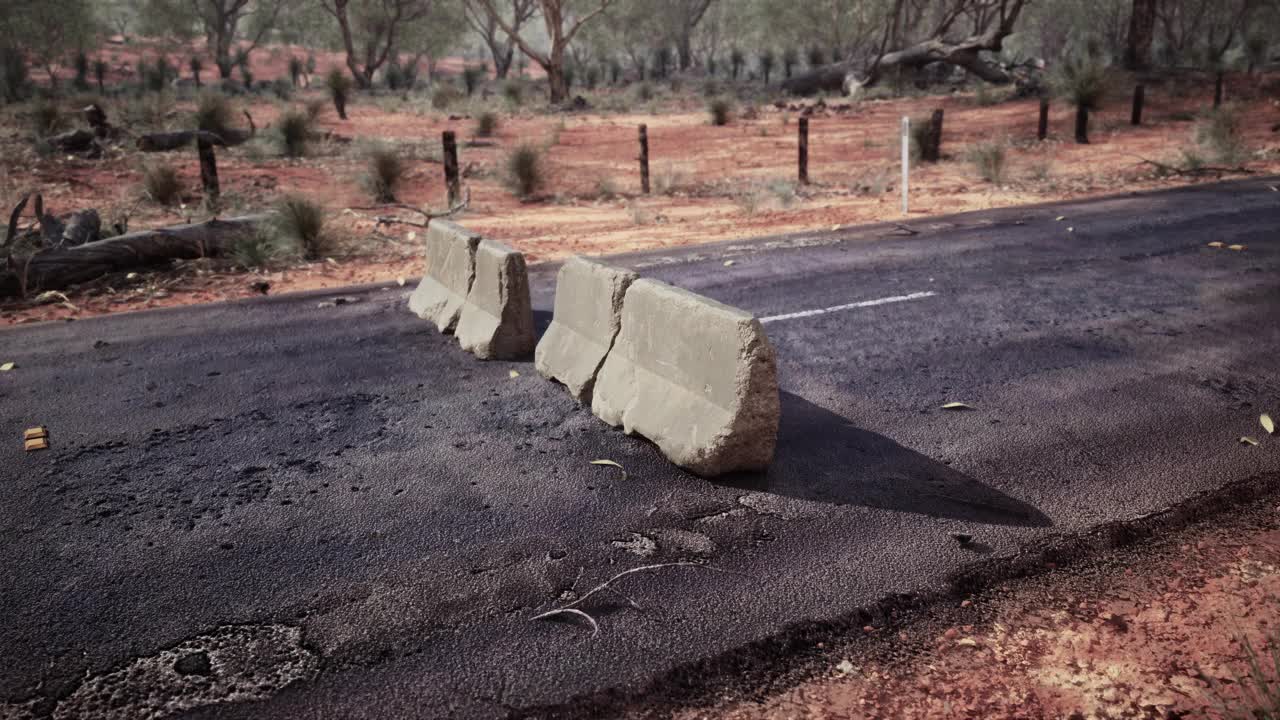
850,306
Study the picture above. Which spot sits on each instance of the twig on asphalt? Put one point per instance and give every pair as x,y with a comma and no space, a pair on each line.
571,608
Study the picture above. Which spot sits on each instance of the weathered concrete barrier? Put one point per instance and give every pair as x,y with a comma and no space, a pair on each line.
588,313
696,377
440,296
496,322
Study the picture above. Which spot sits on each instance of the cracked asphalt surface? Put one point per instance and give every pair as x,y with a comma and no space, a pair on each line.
383,514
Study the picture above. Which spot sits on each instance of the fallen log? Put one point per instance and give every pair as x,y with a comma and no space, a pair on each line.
165,141
82,142
57,268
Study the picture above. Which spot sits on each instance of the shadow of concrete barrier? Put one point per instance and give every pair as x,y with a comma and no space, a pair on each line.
588,314
496,322
696,377
451,253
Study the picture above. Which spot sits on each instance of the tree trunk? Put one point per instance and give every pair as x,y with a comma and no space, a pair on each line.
931,150
1082,125
1142,24
55,269
1042,130
1139,97
556,81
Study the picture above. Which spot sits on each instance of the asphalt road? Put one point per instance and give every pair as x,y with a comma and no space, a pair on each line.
321,510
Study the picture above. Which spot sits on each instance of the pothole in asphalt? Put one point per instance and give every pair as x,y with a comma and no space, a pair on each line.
232,664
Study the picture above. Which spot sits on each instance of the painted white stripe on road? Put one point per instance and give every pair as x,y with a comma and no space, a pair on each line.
850,306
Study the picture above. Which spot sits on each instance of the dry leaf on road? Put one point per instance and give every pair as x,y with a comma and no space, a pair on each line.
957,406
611,463
1246,440
1267,423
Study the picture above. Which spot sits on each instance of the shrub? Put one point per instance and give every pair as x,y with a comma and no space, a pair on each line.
295,69
257,249
784,191
314,108
471,77
293,131
720,110
1082,81
513,93
384,174
81,64
526,173
1220,135
736,60
15,76
767,61
195,64
790,58
302,221
985,95
486,124
395,75
644,92
817,58
339,85
100,74
662,62
282,89
161,183
213,112
46,118
989,158
443,97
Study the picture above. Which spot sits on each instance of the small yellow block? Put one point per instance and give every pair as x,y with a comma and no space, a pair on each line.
35,433
36,444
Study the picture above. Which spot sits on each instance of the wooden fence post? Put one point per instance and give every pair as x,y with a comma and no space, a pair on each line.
931,150
208,173
644,159
1043,131
804,151
1139,97
450,142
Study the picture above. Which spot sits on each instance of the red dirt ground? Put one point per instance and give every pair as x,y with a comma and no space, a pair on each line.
1155,634
710,183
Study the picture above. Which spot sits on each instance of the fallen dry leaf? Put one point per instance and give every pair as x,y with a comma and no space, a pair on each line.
957,406
1267,423
728,263
7,367
1237,248
1246,440
1216,244
513,374
400,281
611,463
1060,218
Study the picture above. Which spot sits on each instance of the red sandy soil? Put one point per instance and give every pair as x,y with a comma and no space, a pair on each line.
1157,633
710,183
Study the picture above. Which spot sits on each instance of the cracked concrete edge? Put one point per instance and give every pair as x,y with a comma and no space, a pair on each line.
587,317
496,320
450,274
695,376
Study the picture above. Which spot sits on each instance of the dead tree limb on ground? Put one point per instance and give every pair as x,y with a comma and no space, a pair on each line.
165,141
991,21
1192,171
428,215
57,268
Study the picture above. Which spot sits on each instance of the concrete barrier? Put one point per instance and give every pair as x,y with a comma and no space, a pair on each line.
696,377
440,296
588,313
496,322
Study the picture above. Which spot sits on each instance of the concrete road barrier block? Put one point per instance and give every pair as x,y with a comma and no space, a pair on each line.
451,253
696,377
496,322
588,313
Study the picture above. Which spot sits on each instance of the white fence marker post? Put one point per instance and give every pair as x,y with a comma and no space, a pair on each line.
906,160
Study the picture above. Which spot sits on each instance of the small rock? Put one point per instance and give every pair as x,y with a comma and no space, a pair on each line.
962,538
